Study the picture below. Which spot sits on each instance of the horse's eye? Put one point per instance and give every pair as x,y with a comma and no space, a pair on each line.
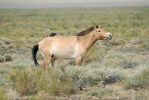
99,31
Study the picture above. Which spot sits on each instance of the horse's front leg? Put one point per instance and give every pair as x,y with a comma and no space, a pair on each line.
78,60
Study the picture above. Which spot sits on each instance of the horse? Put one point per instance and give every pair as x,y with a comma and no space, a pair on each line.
57,46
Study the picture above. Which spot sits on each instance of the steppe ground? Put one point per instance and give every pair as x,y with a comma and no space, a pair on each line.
116,69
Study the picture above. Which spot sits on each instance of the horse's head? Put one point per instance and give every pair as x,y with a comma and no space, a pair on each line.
102,34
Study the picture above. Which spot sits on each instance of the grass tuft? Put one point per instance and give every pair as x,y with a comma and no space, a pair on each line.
2,59
127,64
28,81
138,81
2,94
99,92
8,57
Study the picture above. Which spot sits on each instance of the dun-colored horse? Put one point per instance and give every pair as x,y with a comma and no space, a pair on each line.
57,46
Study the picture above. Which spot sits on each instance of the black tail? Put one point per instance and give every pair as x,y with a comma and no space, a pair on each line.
34,52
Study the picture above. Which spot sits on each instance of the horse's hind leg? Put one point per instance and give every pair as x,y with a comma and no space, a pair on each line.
46,61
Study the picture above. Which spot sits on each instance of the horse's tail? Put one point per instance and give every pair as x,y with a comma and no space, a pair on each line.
34,52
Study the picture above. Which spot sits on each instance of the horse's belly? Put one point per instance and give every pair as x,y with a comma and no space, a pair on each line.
64,53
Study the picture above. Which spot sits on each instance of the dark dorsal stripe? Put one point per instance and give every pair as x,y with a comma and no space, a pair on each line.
85,31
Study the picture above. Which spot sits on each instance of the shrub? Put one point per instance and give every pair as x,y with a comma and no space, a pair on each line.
2,94
112,58
127,64
2,43
10,46
1,59
99,92
112,77
29,81
117,42
135,41
24,81
91,55
144,95
138,81
8,57
6,40
55,82
12,94
92,81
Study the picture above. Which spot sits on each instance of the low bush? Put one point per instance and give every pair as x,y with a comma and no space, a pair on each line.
2,94
112,77
6,40
54,82
2,43
118,42
127,64
91,55
135,41
138,81
144,94
99,92
28,81
2,59
92,81
24,81
8,57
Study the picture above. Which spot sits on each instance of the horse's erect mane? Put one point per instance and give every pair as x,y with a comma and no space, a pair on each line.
85,31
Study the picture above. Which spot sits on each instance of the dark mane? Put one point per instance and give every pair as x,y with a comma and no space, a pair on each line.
85,31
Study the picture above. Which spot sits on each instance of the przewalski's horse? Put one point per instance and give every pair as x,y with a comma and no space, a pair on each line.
57,46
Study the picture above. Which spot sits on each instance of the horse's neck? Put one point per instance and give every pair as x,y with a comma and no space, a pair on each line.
88,40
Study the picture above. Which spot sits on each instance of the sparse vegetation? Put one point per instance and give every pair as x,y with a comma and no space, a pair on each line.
29,81
8,57
2,59
138,81
122,61
2,93
99,92
127,64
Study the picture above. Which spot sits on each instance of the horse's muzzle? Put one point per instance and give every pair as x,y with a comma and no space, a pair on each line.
108,36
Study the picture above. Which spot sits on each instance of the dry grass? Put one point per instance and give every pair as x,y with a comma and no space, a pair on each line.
99,92
2,93
138,81
28,81
108,61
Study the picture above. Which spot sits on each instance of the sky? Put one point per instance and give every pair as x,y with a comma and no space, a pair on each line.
70,3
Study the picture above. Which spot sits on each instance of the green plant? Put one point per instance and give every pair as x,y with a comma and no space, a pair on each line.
99,92
138,81
29,81
24,81
92,81
127,64
91,55
54,82
8,57
2,93
1,58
